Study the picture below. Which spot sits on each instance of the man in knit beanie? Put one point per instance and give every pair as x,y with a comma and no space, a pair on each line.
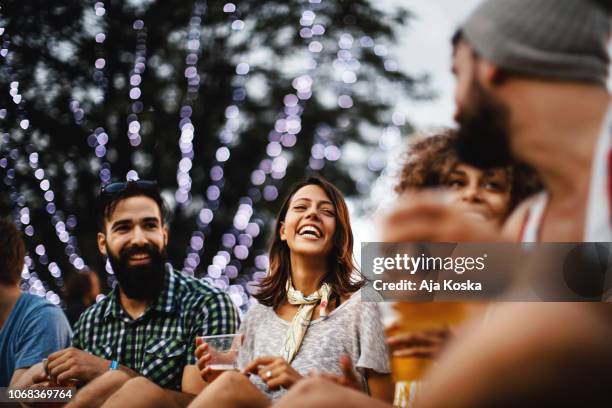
531,85
513,59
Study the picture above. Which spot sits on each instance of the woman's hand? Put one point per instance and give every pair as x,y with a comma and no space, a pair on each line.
423,344
274,371
203,355
348,377
207,355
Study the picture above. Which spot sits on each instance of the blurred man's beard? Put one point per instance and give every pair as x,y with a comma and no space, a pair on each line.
140,282
483,137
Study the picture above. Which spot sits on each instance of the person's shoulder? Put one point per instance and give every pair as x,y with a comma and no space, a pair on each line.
95,311
257,309
191,286
197,291
28,302
364,309
36,305
257,313
37,311
352,298
350,303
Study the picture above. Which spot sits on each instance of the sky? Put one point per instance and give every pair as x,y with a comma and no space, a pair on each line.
424,47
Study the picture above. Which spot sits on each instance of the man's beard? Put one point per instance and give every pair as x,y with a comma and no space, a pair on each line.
483,137
141,282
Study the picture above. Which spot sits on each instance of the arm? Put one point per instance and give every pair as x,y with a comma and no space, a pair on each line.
374,356
46,330
192,382
72,363
531,354
76,362
380,385
18,380
215,315
276,372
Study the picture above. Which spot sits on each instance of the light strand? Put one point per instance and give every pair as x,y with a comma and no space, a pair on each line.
237,242
60,226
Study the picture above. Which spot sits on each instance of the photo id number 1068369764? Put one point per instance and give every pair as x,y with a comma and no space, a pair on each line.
52,394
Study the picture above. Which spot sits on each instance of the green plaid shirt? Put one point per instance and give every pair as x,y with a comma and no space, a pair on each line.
161,342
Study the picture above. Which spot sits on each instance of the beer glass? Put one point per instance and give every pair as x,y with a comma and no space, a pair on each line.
404,318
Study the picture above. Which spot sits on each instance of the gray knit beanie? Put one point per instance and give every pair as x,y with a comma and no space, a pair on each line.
550,39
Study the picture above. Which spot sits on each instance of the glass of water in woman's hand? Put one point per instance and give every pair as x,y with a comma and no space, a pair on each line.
217,354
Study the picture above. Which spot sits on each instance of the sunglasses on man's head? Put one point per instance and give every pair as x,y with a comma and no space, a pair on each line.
120,186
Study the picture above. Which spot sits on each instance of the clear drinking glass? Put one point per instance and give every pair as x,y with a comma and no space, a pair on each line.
224,352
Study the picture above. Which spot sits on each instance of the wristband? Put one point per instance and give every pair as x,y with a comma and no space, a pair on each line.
113,365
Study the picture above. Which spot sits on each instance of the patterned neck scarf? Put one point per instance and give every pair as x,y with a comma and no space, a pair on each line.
301,320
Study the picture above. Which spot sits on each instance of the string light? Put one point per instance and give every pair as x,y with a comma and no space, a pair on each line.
237,242
291,123
140,59
264,180
57,218
323,149
346,66
186,126
30,281
99,75
99,138
226,137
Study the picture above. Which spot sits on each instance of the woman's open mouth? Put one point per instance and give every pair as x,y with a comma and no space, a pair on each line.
310,232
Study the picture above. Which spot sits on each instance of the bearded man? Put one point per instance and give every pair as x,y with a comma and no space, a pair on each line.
148,324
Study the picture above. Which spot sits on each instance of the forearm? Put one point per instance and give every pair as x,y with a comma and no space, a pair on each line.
381,386
100,389
126,370
22,378
181,399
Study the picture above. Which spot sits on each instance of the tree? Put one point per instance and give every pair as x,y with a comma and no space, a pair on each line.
224,102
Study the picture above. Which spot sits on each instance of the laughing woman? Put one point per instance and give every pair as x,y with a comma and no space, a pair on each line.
309,316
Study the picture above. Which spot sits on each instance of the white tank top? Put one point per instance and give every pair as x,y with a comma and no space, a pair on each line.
598,223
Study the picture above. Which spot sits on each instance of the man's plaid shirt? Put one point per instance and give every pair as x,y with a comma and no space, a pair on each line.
161,342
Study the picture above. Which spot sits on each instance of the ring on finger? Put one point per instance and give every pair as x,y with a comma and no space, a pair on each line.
269,374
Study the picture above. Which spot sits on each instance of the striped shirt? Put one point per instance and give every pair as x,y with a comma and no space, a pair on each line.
161,342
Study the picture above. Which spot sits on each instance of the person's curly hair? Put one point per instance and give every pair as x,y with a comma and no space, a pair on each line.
430,160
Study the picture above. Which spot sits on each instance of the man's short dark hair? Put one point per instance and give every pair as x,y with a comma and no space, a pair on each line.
109,198
456,38
12,253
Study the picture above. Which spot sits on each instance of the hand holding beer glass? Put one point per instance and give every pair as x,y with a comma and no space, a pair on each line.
416,332
217,354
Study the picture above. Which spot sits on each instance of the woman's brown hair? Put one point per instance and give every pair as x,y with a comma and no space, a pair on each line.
430,160
341,267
